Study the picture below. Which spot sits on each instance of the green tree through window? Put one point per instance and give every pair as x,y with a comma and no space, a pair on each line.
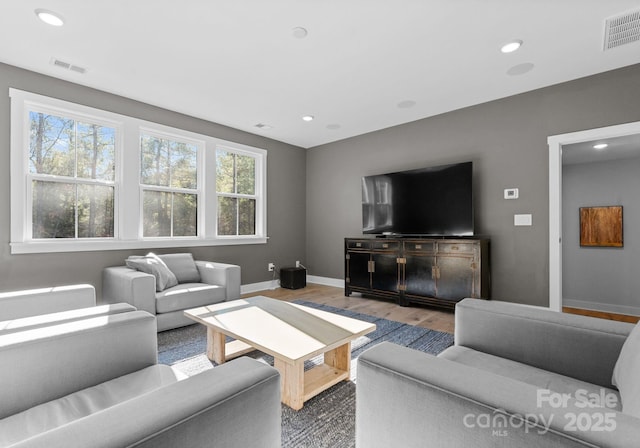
236,191
72,170
168,174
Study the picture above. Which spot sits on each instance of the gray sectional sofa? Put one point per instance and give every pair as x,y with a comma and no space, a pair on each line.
95,382
517,376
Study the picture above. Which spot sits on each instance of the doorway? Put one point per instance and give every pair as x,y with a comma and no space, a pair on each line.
556,144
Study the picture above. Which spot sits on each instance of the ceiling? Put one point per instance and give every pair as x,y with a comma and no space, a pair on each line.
364,65
623,147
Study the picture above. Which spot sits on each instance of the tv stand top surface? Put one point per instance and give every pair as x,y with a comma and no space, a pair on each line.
431,237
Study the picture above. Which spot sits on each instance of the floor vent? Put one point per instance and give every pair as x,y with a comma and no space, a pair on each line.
67,66
622,30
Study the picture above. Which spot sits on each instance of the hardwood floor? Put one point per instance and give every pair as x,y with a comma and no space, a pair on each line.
440,320
422,316
602,315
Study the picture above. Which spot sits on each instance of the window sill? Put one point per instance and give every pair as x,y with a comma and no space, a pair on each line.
38,247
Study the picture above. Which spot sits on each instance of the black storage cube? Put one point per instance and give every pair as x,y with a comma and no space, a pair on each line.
293,278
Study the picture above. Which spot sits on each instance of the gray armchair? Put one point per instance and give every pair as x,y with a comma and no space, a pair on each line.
199,283
517,376
96,382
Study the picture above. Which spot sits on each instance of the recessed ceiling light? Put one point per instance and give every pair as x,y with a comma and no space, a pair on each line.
300,32
49,17
511,46
600,146
308,118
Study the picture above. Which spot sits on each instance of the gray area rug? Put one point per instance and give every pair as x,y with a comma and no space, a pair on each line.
327,420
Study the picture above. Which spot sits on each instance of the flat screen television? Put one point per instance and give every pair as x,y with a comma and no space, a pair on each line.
432,201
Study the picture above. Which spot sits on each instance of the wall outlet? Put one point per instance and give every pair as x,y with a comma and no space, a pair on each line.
297,263
271,267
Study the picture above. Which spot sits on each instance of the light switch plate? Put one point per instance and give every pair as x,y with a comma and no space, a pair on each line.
522,220
511,193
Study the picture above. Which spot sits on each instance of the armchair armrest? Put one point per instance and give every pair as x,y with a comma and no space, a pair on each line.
123,284
227,275
213,408
33,302
425,400
580,347
44,320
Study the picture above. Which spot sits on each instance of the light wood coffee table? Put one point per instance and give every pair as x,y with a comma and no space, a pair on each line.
290,333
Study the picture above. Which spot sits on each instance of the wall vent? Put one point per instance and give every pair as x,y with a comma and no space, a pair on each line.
68,66
622,30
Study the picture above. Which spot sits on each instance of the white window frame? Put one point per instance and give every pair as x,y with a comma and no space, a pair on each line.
198,191
259,193
30,177
128,190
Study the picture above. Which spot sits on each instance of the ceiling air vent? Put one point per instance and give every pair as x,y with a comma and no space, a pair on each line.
622,30
67,66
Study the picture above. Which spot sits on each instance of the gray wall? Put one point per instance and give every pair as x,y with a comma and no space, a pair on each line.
285,198
601,278
506,140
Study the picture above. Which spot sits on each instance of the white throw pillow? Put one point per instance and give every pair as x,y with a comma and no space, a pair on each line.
183,266
152,264
626,374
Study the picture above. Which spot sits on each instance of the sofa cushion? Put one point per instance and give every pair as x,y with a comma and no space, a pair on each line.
183,266
188,295
626,373
80,404
540,378
152,264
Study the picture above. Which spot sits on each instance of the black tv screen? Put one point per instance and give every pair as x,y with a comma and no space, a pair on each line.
433,201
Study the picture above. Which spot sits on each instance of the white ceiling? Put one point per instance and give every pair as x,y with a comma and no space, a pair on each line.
237,62
623,147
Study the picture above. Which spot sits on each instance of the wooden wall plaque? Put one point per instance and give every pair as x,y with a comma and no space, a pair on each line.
601,226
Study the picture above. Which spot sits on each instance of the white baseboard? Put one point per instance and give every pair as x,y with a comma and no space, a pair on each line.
604,307
274,284
337,282
261,286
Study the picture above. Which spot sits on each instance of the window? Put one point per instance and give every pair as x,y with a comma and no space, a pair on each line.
169,180
236,192
72,174
87,179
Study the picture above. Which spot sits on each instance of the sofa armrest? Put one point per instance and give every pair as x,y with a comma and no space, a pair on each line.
227,275
123,284
44,320
580,347
44,364
32,302
423,400
236,404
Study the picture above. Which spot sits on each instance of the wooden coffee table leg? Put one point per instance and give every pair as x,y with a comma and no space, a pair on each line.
291,382
215,346
339,358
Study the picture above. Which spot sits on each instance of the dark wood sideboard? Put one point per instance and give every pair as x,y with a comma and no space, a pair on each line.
431,271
